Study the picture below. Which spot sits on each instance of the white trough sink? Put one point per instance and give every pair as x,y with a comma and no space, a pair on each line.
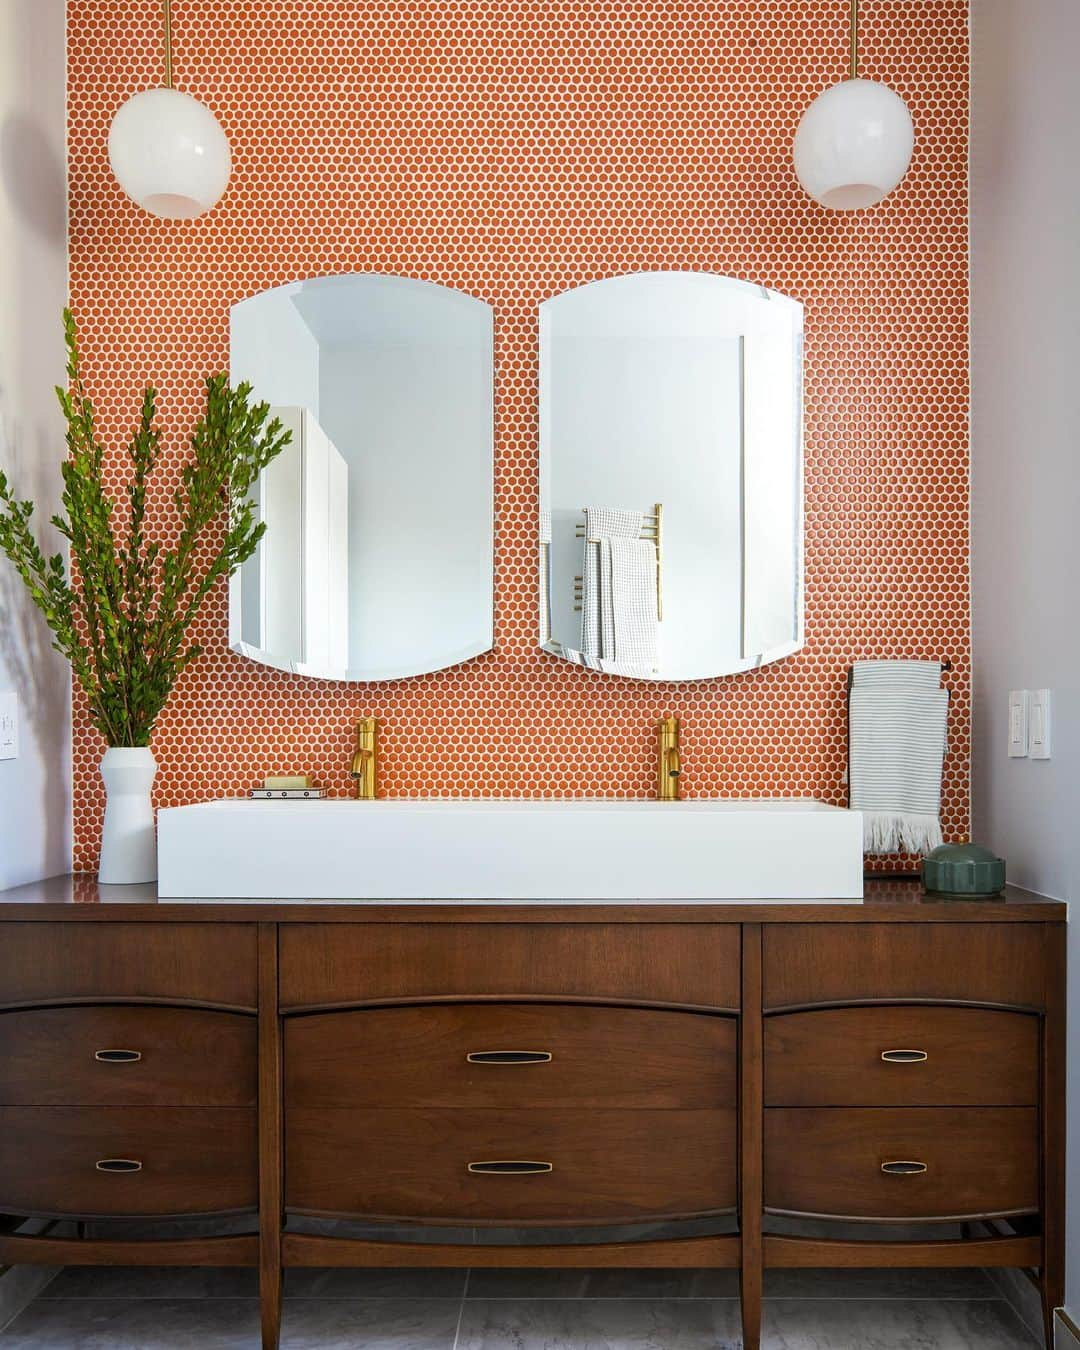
516,851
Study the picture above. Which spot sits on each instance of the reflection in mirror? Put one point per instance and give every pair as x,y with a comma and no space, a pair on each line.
377,558
671,490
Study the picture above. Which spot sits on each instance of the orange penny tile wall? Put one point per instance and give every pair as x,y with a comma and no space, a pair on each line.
514,149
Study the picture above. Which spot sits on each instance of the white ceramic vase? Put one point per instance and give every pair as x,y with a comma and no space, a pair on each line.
128,842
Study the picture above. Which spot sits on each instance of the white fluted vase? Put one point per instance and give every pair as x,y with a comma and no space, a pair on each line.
128,841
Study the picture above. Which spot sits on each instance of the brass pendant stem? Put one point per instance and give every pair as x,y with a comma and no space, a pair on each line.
854,39
167,5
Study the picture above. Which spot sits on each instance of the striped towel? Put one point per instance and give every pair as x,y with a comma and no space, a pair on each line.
602,523
898,718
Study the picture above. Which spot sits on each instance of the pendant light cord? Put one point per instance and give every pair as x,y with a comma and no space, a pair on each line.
854,56
168,44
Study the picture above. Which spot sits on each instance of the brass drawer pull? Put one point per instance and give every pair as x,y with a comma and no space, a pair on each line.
509,1057
903,1168
118,1165
904,1056
117,1056
510,1168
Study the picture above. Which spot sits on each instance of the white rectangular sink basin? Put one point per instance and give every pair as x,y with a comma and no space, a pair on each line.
517,851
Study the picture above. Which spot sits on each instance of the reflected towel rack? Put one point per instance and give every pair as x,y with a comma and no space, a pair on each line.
652,528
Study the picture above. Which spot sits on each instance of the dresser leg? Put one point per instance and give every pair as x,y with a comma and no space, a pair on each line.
1052,1293
751,1094
270,1304
1052,1274
270,1139
750,1302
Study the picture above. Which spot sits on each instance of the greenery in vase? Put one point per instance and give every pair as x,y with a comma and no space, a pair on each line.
123,615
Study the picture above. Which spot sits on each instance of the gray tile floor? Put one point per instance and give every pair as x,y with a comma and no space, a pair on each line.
87,1309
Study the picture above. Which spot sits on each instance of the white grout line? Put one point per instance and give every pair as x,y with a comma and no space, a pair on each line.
734,1298
461,1310
884,1298
531,1298
21,1286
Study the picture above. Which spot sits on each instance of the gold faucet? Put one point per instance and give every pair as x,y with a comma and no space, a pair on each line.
365,762
668,760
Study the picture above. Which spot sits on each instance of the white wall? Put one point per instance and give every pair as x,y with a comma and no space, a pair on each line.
1025,203
35,812
412,420
271,346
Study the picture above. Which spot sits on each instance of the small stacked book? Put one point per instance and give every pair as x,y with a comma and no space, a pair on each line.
287,787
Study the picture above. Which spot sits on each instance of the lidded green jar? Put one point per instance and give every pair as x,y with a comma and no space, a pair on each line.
963,869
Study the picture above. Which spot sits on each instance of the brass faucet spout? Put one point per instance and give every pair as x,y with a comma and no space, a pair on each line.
365,761
668,760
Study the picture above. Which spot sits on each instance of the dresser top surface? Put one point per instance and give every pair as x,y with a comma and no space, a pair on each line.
79,896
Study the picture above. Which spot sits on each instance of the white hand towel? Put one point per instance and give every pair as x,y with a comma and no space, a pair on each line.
633,590
606,592
898,719
601,522
545,576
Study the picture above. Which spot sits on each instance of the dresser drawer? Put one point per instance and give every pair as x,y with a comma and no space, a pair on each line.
190,1160
688,964
852,962
605,1166
181,962
844,1163
511,1055
126,1056
902,1055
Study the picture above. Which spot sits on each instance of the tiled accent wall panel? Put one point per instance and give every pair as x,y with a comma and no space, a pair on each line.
513,149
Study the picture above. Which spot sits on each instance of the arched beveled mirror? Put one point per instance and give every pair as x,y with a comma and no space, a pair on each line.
671,481
377,559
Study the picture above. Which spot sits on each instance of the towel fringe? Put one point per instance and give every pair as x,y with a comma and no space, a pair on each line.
900,832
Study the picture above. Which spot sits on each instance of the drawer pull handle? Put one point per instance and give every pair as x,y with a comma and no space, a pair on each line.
903,1168
510,1168
509,1057
118,1165
904,1056
117,1056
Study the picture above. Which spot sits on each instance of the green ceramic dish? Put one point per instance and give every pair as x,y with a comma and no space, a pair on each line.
964,870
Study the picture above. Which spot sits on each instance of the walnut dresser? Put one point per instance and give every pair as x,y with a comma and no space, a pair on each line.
744,1079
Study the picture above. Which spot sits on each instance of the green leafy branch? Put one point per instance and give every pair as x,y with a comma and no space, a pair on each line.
122,619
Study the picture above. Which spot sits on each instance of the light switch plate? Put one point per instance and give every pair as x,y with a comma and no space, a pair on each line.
9,725
1039,724
1018,723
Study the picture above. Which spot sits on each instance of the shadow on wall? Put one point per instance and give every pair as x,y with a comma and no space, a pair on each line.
32,179
28,663
33,233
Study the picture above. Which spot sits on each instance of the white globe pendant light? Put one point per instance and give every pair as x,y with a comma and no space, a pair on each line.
855,140
168,150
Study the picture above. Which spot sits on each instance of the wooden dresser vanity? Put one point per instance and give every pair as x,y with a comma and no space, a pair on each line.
760,1066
